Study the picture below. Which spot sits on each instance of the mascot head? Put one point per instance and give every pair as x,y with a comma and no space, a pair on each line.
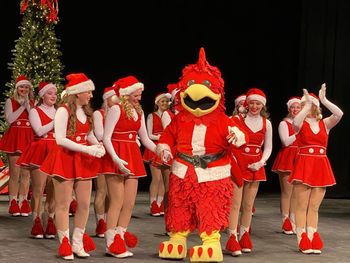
201,88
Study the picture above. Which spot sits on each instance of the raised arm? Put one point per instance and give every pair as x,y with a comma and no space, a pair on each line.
337,113
300,117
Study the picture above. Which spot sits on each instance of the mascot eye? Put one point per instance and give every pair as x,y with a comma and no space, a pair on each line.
190,82
206,83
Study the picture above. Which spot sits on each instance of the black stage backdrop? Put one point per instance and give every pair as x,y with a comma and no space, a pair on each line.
278,46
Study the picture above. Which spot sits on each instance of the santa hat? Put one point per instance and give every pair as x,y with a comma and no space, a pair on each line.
293,100
162,95
44,87
314,99
256,94
78,83
240,98
127,85
173,89
108,92
22,80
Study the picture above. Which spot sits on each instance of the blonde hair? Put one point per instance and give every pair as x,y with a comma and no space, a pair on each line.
126,105
30,94
71,103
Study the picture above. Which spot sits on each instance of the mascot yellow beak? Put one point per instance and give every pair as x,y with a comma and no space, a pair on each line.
199,100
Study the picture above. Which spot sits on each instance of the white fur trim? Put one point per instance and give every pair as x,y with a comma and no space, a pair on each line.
24,82
81,87
240,137
131,89
291,101
45,89
240,98
257,97
179,169
198,139
160,96
213,173
313,100
108,94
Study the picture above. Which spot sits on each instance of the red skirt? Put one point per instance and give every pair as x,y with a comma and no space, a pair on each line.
36,153
248,175
2,165
16,139
70,165
129,152
285,158
314,171
148,156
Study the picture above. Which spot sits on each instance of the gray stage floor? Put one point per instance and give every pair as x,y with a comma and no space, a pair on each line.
270,245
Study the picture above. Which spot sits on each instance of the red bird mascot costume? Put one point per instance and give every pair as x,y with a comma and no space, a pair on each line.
200,187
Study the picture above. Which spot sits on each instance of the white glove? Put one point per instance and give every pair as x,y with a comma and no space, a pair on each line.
307,97
256,166
166,156
322,93
121,165
236,136
95,150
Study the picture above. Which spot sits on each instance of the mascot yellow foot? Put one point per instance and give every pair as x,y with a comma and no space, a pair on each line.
210,251
176,247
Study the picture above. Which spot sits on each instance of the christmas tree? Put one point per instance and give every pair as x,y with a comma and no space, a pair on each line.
36,54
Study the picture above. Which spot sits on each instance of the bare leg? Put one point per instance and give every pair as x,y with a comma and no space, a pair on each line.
100,195
316,198
82,193
115,186
286,193
155,183
38,186
250,191
235,207
130,191
63,197
14,176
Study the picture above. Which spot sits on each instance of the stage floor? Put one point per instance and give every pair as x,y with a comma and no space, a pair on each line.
270,245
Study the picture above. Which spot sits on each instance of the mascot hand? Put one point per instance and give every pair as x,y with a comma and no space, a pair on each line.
121,165
256,166
166,156
236,136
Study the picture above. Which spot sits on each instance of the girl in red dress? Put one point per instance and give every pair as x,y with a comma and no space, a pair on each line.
41,119
122,125
15,140
155,129
73,164
252,158
284,163
101,201
312,171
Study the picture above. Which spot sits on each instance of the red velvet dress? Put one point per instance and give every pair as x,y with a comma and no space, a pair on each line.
251,153
19,135
285,158
312,166
125,146
71,165
38,150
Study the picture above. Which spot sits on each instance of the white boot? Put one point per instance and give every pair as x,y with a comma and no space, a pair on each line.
63,237
109,236
78,245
